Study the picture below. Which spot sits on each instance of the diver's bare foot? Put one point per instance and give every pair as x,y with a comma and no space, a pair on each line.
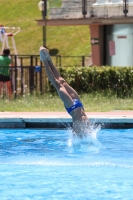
44,55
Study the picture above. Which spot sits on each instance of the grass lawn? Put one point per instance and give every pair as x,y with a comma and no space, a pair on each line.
92,103
69,40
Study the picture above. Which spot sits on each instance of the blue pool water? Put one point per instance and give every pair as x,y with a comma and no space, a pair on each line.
50,164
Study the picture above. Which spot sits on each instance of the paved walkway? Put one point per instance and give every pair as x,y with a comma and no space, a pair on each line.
44,115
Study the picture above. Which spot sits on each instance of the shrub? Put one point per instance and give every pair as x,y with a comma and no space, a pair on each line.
117,80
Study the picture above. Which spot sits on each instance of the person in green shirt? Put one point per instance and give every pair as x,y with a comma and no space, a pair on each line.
5,62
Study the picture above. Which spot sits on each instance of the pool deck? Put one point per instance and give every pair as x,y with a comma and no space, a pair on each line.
111,119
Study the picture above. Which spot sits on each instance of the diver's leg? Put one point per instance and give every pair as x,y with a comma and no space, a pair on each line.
55,71
69,89
65,97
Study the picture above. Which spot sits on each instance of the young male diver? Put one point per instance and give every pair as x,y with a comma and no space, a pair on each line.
67,94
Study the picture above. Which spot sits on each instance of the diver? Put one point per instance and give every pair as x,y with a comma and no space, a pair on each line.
67,94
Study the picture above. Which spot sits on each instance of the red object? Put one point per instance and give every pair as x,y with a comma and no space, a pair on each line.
111,48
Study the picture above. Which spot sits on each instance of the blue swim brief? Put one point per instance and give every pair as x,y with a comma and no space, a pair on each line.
76,104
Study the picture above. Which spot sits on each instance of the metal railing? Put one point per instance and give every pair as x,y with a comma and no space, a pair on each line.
30,76
24,80
58,60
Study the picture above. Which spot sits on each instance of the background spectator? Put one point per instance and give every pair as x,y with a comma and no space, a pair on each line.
5,63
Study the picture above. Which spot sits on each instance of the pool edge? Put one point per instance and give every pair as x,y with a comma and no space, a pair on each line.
105,122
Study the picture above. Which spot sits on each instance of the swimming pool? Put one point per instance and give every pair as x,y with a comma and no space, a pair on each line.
50,164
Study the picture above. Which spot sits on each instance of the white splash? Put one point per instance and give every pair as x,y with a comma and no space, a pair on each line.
87,140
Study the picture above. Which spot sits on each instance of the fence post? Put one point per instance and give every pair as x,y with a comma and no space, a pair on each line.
31,75
41,80
22,83
60,60
83,61
56,60
15,81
